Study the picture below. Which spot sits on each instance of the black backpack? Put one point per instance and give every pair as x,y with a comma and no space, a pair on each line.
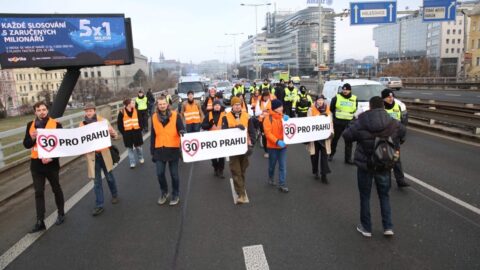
115,153
384,155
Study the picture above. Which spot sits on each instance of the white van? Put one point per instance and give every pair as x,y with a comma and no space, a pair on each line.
364,90
190,83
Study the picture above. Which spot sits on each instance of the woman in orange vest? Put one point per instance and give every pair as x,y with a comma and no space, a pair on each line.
277,149
208,104
213,121
45,168
128,125
319,150
98,161
266,108
192,113
167,127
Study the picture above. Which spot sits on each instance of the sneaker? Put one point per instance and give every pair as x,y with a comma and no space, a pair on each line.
242,199
174,200
265,155
364,232
60,219
402,183
132,166
114,200
283,189
271,182
162,199
142,161
349,161
388,232
97,211
39,226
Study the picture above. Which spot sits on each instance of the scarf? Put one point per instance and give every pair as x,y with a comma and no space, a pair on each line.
41,123
87,120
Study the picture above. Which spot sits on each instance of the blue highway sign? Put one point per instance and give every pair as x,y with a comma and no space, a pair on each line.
439,10
373,12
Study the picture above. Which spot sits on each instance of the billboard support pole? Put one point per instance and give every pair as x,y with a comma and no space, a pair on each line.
65,91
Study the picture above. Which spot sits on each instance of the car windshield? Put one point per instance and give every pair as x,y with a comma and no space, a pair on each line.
395,79
365,92
184,87
223,84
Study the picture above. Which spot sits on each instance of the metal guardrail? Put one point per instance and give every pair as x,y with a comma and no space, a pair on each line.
443,82
12,152
466,116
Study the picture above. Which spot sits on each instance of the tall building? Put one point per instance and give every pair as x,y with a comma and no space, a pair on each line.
8,94
472,59
34,84
291,41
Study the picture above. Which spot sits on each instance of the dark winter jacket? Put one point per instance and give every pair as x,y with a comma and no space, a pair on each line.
364,130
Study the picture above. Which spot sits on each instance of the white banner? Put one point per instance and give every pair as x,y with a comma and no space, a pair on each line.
307,129
207,145
54,143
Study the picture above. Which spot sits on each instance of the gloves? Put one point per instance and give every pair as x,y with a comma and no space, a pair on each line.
281,143
249,151
241,127
182,132
285,117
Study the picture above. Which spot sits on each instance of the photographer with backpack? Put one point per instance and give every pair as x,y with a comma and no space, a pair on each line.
378,139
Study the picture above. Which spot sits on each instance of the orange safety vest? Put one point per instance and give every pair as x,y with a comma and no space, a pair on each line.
51,124
244,107
219,124
210,104
233,122
130,123
316,112
166,136
265,105
254,100
191,114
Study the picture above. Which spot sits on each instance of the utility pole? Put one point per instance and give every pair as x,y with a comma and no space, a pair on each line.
320,47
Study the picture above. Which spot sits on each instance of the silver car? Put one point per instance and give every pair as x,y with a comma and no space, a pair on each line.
391,82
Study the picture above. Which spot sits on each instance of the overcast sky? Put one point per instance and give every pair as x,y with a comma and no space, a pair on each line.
193,30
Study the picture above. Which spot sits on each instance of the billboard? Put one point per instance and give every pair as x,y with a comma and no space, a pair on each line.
64,40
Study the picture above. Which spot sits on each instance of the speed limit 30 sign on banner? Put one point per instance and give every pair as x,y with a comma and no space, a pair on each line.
207,145
307,129
52,143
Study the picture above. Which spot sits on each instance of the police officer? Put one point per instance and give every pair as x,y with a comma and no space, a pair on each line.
265,86
343,107
252,88
302,102
394,110
279,92
290,94
238,89
43,168
141,104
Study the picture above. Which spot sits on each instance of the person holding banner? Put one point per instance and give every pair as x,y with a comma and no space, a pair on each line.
43,168
238,164
128,126
192,113
141,104
343,107
277,149
167,127
319,149
213,121
98,161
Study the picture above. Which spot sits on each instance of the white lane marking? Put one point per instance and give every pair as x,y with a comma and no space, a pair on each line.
452,95
19,247
445,137
426,94
255,258
444,194
234,193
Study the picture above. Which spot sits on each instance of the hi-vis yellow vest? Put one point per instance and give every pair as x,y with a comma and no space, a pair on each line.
345,107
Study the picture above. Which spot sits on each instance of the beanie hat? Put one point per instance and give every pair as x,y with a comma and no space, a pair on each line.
235,100
387,93
217,102
276,104
347,86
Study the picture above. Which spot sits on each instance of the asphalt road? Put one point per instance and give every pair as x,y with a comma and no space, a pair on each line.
312,227
458,96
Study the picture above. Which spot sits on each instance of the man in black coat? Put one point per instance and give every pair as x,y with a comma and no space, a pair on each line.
374,123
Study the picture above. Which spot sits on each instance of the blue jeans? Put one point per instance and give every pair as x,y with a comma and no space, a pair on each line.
279,155
162,180
193,127
383,183
98,185
131,154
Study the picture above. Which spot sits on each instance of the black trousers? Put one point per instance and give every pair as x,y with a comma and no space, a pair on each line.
287,108
301,114
338,128
398,171
143,119
218,164
320,154
39,186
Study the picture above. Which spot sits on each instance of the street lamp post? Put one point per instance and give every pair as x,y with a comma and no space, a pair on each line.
234,44
256,32
320,47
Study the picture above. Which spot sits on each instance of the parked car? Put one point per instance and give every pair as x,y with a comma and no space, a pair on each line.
364,90
391,82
